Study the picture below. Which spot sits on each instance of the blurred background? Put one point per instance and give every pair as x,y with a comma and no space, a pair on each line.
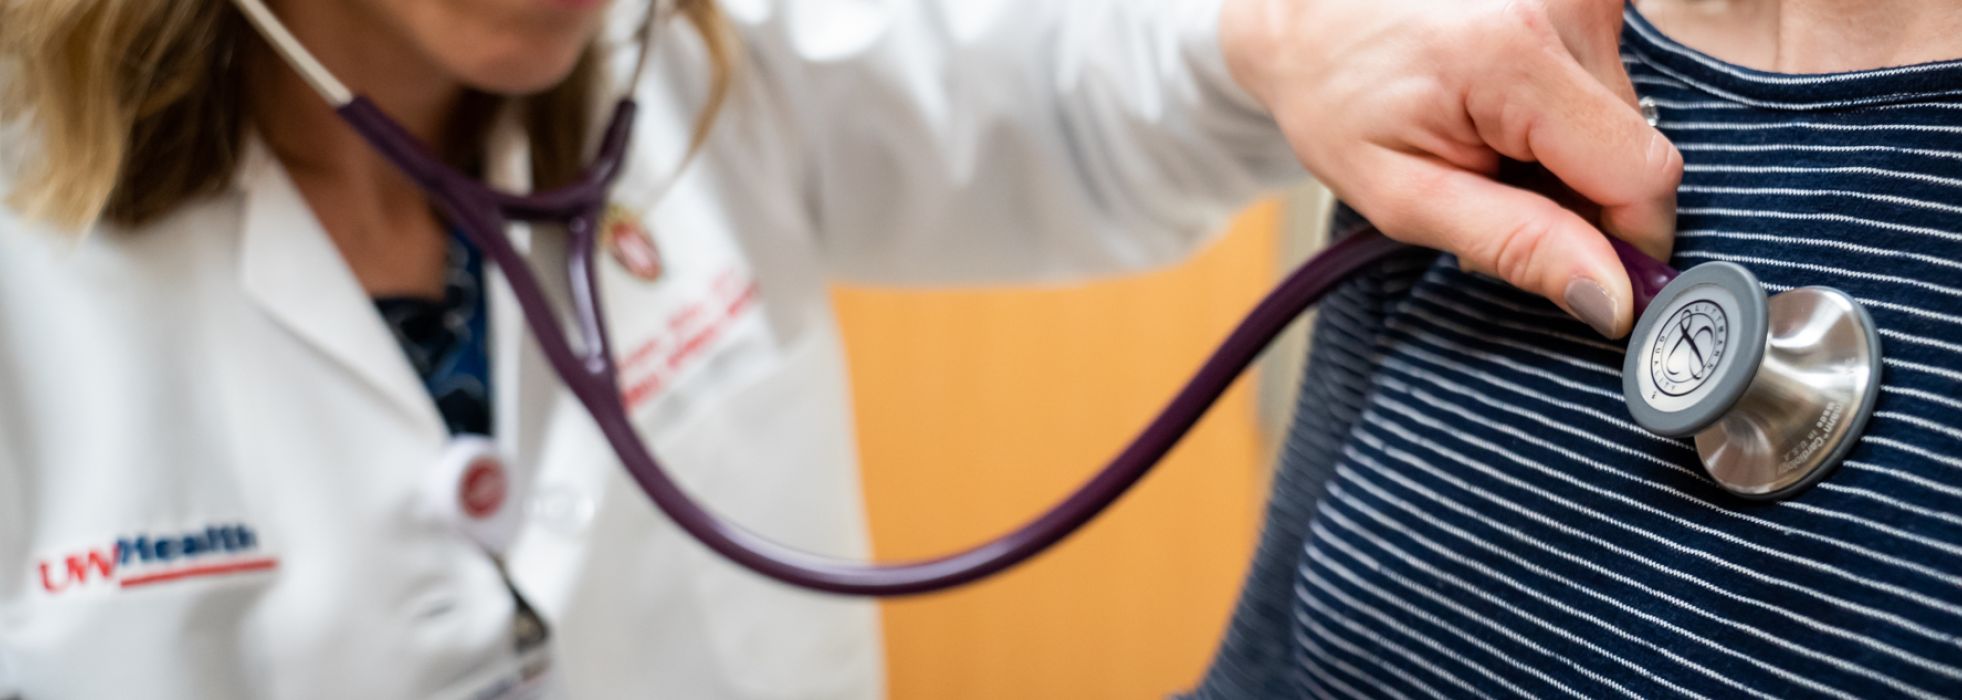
978,408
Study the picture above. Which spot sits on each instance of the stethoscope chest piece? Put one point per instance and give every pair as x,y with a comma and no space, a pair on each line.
1776,390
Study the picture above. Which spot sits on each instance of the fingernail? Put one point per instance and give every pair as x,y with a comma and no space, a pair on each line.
1659,150
1590,303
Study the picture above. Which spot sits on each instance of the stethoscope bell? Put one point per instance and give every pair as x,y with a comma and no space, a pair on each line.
1775,390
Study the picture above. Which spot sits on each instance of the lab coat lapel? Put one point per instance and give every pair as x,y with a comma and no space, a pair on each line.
292,271
522,381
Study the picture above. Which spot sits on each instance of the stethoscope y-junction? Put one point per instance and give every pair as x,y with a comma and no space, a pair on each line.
1774,390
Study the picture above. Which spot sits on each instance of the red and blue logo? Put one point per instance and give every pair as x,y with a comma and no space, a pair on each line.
152,558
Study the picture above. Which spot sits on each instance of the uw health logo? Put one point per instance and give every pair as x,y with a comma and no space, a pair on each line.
152,558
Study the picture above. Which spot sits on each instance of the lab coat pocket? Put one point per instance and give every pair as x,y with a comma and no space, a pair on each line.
786,471
150,612
773,641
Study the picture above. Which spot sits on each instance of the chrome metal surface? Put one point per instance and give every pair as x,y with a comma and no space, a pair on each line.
1806,405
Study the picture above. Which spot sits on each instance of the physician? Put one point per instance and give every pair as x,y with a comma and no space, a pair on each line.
244,363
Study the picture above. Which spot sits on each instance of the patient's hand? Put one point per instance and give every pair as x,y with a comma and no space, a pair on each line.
1405,108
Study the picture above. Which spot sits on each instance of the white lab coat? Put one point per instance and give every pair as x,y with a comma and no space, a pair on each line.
217,394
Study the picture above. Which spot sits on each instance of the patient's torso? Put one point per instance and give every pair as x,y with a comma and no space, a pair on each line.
1492,524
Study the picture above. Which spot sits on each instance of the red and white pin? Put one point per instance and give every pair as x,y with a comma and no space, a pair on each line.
473,489
627,239
483,488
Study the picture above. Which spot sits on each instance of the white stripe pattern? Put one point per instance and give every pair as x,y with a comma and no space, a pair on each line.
1471,512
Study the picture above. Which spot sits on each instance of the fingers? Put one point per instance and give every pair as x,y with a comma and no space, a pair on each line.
1608,153
1519,236
1591,31
1592,140
1411,126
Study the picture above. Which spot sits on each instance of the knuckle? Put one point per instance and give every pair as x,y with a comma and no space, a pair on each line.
1515,255
1517,120
1667,165
1527,12
1527,19
1504,118
1523,39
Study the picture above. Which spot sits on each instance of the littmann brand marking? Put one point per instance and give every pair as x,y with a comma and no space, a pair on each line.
1822,432
1686,354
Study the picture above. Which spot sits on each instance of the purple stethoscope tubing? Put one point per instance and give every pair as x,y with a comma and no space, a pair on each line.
589,373
587,369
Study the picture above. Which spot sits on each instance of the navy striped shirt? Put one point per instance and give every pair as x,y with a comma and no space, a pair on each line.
1466,510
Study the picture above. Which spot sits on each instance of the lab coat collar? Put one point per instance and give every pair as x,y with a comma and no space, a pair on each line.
520,375
291,269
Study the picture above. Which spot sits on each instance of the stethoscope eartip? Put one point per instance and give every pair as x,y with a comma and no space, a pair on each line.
1775,390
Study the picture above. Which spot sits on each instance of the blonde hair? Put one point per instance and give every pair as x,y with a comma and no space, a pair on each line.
136,109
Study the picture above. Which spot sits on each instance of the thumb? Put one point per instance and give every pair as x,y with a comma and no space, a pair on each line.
1522,237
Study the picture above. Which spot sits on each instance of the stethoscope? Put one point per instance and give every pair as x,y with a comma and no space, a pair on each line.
1775,389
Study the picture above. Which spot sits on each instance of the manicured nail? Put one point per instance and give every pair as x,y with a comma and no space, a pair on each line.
1590,303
